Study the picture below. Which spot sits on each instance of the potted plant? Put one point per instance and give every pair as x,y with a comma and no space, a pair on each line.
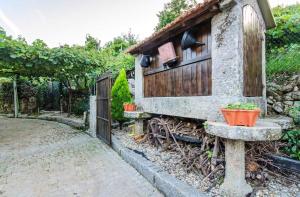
129,106
241,114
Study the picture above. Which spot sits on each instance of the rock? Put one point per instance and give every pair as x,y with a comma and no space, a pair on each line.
278,107
296,95
288,103
274,87
270,101
287,88
165,157
296,88
288,97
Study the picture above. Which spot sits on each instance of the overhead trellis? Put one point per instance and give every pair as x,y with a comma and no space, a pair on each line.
65,63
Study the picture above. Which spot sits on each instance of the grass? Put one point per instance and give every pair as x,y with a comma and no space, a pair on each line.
284,60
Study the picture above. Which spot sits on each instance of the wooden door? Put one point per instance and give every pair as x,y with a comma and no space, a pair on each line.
103,112
253,85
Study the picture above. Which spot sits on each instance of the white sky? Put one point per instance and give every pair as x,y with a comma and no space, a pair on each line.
68,21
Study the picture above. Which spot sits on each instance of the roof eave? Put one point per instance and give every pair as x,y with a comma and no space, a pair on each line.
136,48
267,13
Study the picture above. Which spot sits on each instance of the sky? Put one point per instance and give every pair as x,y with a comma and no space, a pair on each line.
68,21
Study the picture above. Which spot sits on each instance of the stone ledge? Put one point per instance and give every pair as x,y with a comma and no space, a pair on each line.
136,114
167,184
283,121
67,121
263,131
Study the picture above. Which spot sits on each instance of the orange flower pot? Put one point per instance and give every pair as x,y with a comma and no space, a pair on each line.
241,117
129,107
125,105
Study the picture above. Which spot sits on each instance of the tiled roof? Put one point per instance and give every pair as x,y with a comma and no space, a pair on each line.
187,15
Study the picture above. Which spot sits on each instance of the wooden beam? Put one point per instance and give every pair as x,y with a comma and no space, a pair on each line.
191,61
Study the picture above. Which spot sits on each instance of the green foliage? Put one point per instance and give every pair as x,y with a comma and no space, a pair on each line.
283,41
242,106
113,56
72,65
91,43
80,106
129,102
293,140
172,10
284,60
287,30
294,112
120,94
76,67
120,43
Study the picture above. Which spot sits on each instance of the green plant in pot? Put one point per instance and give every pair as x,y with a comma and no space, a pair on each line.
241,114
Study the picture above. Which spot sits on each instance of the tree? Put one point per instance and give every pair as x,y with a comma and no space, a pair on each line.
287,30
92,43
172,10
113,54
120,94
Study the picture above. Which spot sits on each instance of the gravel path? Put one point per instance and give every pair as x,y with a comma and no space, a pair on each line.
41,158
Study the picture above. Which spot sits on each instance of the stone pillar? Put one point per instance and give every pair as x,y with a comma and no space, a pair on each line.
227,52
92,116
139,126
234,183
139,78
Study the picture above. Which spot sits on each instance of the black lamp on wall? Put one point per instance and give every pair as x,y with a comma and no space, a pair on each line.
188,41
145,61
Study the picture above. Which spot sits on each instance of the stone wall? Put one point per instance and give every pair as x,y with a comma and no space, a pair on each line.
283,93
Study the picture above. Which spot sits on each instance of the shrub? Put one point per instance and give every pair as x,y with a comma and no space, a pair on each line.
80,106
293,140
120,94
282,46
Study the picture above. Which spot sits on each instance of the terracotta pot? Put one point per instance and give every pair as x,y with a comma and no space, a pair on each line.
129,107
241,117
125,105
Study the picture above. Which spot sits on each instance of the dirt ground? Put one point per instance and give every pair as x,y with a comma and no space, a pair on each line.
41,158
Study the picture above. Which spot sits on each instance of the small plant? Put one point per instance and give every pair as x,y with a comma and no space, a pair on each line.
130,102
205,125
293,140
120,94
242,106
294,112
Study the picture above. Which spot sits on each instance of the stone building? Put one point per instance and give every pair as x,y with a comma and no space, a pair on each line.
226,64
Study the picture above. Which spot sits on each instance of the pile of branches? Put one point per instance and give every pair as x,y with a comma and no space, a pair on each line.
208,156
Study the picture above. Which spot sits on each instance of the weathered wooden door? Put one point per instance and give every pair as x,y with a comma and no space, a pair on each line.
103,99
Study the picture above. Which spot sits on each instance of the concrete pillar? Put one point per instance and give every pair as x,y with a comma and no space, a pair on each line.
92,116
234,183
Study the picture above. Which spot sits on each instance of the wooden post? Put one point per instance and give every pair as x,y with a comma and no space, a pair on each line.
16,104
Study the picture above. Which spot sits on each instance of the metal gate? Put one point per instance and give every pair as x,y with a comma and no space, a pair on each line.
103,115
